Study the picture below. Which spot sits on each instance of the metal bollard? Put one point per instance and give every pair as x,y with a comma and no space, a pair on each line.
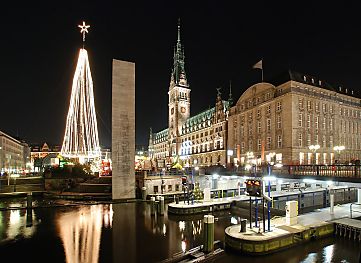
144,193
332,203
29,217
208,228
152,205
29,200
243,226
161,204
158,203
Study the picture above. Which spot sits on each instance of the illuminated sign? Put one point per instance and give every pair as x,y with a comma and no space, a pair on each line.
254,187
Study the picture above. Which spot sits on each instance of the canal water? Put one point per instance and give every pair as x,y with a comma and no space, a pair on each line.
126,232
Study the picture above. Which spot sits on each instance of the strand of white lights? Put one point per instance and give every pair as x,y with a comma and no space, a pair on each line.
81,138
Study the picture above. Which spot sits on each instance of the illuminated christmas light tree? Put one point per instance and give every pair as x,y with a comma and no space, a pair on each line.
81,139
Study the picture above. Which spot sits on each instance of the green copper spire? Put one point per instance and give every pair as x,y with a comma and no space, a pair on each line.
230,98
178,40
178,73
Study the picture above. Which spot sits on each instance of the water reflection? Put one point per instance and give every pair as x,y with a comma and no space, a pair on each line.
190,232
94,233
19,224
328,253
80,232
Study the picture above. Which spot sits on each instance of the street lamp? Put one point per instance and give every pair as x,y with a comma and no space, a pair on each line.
162,181
271,158
339,148
314,148
251,162
269,178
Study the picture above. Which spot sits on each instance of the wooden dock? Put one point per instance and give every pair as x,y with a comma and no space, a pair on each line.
348,227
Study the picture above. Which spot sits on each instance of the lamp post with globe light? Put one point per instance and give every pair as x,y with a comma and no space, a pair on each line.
314,148
339,148
271,162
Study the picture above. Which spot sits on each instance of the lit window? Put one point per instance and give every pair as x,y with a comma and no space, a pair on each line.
308,121
308,139
250,145
279,141
300,103
268,124
268,143
279,122
279,105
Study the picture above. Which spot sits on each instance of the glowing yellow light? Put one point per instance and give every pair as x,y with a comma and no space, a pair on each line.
184,246
182,225
81,133
83,29
14,217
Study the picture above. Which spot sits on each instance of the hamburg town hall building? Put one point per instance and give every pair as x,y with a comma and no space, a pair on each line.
198,140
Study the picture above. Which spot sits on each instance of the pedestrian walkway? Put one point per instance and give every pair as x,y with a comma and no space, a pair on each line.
318,223
317,216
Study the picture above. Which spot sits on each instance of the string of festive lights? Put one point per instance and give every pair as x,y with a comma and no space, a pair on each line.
81,133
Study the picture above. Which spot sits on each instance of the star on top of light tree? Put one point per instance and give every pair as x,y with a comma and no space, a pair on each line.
83,29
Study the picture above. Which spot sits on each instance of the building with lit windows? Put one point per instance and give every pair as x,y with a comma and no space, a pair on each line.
198,140
14,155
295,119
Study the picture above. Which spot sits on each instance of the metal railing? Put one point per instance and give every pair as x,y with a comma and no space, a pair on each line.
339,170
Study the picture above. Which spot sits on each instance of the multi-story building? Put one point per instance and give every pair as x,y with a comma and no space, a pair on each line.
280,120
14,154
43,155
198,140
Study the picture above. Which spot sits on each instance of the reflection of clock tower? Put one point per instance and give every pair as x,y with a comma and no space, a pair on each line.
179,99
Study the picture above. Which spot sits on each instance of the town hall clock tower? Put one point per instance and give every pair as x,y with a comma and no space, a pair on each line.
179,99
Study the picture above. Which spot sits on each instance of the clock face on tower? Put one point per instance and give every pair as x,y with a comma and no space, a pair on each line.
183,110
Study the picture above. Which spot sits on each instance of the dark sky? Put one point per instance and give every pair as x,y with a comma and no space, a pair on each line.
39,44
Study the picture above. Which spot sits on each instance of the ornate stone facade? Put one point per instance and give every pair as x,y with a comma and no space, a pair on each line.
279,121
199,140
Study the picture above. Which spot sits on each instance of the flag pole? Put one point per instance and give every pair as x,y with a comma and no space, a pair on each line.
262,69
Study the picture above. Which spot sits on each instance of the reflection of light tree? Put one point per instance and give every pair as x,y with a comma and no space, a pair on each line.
80,232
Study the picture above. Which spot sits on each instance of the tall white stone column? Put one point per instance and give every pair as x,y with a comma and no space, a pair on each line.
123,129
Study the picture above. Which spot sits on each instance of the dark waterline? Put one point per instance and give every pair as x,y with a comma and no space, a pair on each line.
127,233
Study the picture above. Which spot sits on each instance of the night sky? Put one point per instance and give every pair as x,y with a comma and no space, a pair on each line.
39,45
